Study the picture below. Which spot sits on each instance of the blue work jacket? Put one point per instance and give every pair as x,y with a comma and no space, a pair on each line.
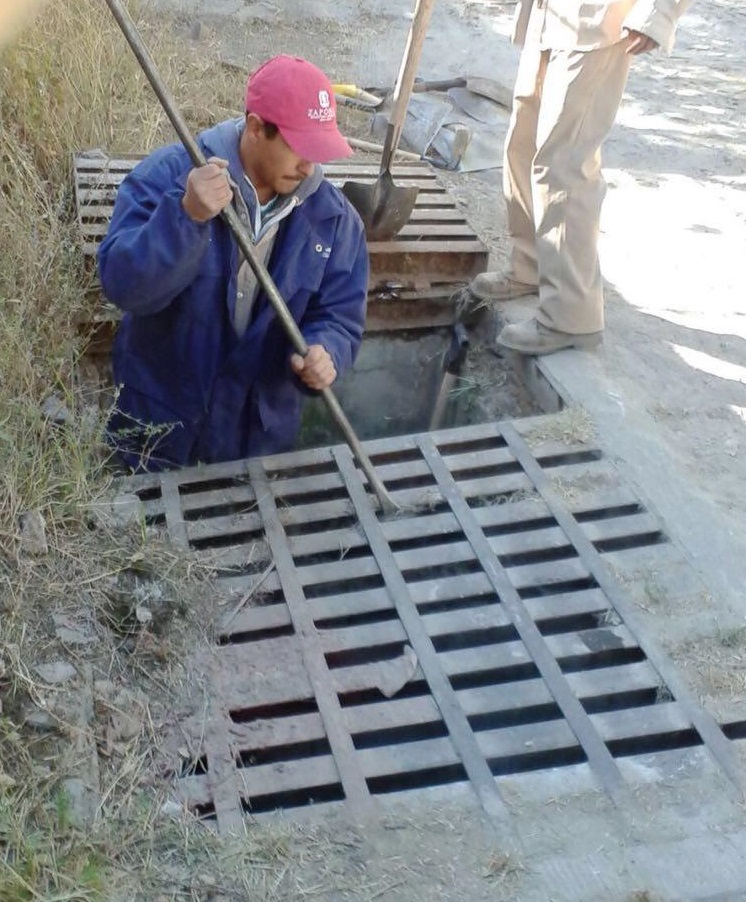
189,389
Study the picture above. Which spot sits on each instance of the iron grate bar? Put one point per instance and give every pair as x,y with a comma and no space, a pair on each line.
222,777
598,754
708,729
343,750
445,697
172,507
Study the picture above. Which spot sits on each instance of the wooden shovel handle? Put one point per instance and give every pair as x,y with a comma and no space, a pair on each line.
405,79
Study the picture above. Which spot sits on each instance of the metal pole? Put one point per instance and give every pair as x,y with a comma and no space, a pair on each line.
388,505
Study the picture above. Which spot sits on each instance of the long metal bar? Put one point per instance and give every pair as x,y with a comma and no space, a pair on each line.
231,218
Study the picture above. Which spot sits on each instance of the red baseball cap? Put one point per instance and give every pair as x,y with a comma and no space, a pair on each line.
299,99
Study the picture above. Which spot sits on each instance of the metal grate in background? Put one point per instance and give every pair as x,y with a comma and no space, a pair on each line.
492,574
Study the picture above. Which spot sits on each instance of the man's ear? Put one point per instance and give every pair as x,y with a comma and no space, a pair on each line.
254,125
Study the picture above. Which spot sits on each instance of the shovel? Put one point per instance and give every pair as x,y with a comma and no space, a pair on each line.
229,215
383,206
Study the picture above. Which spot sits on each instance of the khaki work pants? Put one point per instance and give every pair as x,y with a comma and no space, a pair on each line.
564,106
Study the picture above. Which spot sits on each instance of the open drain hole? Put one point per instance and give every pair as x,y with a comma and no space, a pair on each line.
194,767
295,751
539,760
273,632
658,742
435,729
294,708
295,798
422,779
735,729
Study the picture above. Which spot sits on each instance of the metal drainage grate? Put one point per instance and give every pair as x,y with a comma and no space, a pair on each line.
526,659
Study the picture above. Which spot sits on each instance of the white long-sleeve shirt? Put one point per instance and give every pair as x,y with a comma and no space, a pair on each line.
575,25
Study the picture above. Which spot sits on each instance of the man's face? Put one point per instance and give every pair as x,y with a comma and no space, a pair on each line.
270,163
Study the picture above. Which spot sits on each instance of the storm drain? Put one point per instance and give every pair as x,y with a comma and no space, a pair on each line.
483,610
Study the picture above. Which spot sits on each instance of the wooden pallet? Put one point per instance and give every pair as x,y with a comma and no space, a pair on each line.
435,252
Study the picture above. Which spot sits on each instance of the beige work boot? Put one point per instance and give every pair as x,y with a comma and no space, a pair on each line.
532,337
496,286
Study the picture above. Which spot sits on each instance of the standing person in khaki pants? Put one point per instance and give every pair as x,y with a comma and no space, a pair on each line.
570,81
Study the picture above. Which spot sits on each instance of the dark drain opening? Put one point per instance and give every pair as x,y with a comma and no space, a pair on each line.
228,540
657,742
368,654
609,513
366,618
342,587
200,486
571,623
421,779
520,526
735,729
497,720
360,697
239,638
496,677
596,660
437,571
618,701
237,507
569,457
624,543
332,557
301,499
328,524
477,638
559,588
538,556
194,767
425,541
296,798
530,761
457,604
400,735
295,751
294,708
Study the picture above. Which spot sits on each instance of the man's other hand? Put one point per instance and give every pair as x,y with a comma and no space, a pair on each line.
207,190
316,369
637,42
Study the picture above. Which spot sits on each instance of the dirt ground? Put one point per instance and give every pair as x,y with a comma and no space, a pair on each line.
670,378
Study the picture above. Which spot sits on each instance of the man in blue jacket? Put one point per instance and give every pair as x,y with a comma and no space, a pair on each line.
204,368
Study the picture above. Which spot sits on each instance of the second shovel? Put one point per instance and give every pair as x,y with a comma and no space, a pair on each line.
384,206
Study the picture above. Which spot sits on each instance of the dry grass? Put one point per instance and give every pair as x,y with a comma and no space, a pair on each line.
68,83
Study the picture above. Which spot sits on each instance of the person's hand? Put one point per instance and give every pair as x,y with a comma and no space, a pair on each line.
316,369
637,42
207,190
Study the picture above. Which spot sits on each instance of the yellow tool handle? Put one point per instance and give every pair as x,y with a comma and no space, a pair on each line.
357,94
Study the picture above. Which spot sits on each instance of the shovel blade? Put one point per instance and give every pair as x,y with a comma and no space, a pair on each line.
384,207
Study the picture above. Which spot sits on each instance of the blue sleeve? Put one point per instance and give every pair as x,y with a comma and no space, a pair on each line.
152,250
335,317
